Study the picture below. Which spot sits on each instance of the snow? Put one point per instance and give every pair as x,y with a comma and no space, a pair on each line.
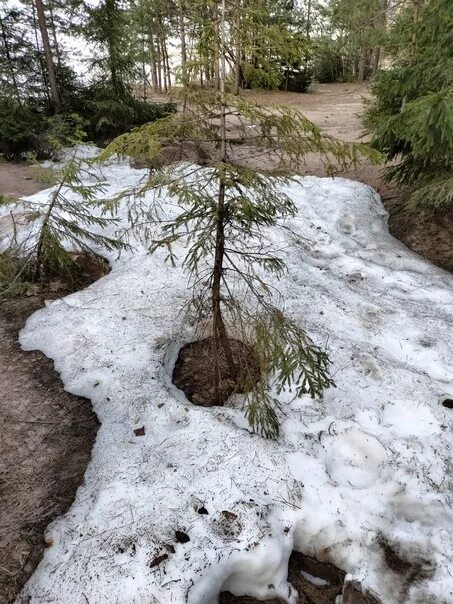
368,464
315,580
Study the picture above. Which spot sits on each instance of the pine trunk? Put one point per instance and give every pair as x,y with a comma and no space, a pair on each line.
220,334
362,65
117,87
182,34
55,95
10,61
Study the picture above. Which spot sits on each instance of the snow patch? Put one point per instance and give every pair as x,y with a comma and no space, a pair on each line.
371,460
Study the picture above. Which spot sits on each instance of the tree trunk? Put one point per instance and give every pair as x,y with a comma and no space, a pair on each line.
39,55
167,64
10,61
237,51
54,36
220,334
217,58
362,65
55,95
382,25
153,61
307,32
413,47
117,84
376,58
415,31
163,64
182,34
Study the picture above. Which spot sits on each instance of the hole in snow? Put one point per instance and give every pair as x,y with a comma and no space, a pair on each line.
448,403
194,372
314,581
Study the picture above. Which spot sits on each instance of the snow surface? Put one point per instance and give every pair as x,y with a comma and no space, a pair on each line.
368,464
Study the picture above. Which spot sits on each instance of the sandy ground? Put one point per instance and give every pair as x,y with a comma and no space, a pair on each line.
45,445
47,434
18,180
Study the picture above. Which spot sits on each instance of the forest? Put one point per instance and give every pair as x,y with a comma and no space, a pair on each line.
226,301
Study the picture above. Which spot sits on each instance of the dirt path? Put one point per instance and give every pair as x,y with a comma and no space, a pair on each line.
18,180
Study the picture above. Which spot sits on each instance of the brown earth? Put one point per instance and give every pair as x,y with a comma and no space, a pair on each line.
19,180
46,439
47,434
195,370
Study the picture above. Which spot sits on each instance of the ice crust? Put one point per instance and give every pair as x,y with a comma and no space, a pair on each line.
368,464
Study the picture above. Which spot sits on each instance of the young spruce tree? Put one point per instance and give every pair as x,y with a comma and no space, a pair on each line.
44,237
225,209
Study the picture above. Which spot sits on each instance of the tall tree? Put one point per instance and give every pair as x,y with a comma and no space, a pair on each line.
412,116
50,66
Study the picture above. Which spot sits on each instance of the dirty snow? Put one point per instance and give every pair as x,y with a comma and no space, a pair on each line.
369,464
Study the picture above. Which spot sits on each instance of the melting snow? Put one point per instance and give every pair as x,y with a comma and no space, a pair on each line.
369,462
314,580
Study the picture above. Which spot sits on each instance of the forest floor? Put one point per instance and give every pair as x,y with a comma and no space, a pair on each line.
47,434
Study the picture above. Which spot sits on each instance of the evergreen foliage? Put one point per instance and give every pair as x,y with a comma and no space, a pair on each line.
36,246
225,209
412,117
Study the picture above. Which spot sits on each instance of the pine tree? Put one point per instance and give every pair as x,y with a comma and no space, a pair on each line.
44,236
225,209
412,116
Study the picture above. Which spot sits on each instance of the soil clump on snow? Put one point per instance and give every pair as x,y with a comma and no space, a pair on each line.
194,371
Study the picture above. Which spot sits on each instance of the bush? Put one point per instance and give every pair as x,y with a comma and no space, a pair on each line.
411,116
109,116
21,128
296,79
27,128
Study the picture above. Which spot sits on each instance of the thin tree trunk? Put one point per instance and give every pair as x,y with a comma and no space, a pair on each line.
153,61
379,50
55,95
221,340
54,36
144,78
217,58
182,34
167,63
237,52
163,65
413,47
362,65
117,84
10,61
415,31
307,31
39,55
159,68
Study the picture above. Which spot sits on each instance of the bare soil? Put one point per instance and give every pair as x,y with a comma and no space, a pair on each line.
19,180
195,368
46,439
